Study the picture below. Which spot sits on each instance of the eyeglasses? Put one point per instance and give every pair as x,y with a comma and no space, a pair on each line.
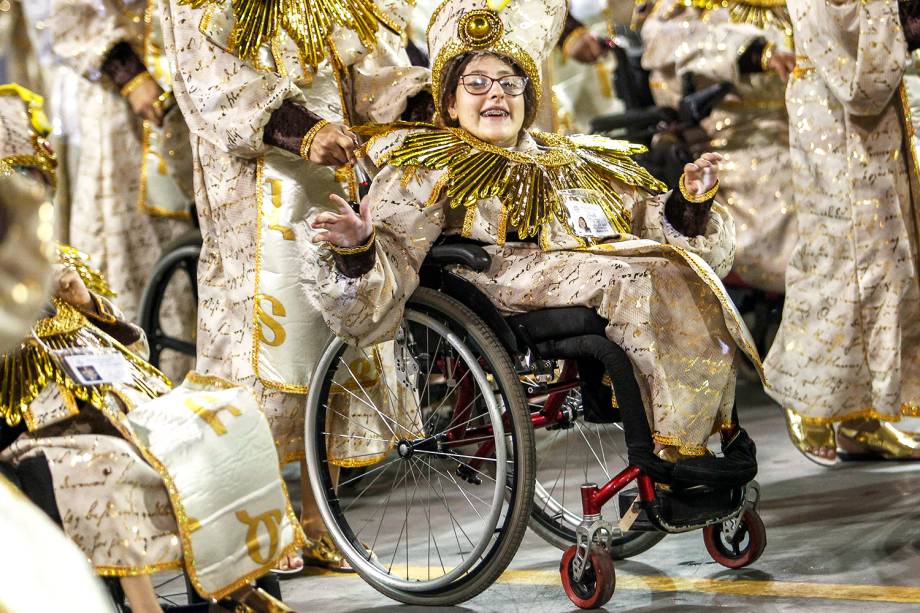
479,84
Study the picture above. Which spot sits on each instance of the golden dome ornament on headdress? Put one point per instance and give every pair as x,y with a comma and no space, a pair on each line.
522,31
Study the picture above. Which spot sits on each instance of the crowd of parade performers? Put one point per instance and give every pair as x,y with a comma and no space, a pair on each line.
269,120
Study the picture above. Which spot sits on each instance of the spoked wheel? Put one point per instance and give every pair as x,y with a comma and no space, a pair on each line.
742,549
569,453
179,264
445,441
597,583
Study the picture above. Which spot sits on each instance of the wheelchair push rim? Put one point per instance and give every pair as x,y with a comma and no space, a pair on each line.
418,470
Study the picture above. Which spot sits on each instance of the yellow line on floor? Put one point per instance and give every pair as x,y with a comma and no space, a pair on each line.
738,587
734,587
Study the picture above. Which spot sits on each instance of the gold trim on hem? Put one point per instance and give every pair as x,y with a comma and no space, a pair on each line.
134,571
861,414
687,449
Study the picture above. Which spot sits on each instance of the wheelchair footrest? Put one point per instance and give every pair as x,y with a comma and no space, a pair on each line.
698,505
642,522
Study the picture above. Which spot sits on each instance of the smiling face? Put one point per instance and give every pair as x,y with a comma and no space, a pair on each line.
495,116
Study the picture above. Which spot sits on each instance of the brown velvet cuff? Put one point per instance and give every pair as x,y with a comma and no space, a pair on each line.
355,265
122,64
287,126
751,60
105,320
571,24
688,218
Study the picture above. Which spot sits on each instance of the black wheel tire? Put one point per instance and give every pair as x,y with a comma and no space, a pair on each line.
733,554
598,581
520,495
181,254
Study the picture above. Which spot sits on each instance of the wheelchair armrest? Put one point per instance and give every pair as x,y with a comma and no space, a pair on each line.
467,255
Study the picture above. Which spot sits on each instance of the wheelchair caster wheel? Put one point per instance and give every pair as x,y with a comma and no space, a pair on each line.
597,582
740,550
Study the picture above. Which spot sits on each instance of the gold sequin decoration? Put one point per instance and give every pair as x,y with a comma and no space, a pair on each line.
527,184
762,14
309,23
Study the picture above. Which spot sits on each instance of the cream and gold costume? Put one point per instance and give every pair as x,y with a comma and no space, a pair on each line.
750,128
118,214
233,72
848,344
27,175
145,477
658,289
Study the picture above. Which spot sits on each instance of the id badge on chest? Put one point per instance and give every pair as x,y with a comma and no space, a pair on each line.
586,215
94,366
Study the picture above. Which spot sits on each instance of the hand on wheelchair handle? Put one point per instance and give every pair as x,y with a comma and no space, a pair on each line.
346,228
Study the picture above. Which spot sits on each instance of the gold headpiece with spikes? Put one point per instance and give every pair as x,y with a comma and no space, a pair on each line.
761,14
527,184
42,156
309,23
523,31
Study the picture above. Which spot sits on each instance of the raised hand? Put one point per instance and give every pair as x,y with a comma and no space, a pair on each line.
701,175
71,289
345,228
143,102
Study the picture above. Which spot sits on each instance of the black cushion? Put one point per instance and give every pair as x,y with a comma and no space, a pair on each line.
558,323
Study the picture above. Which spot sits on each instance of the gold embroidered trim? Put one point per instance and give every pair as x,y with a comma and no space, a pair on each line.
142,203
134,571
367,246
766,57
526,184
907,410
308,23
697,198
136,81
687,449
307,141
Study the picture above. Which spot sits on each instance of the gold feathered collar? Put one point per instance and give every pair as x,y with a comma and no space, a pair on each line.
526,182
761,14
309,23
28,370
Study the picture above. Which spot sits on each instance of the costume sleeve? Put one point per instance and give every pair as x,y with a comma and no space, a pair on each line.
367,309
716,245
859,50
84,31
710,48
224,100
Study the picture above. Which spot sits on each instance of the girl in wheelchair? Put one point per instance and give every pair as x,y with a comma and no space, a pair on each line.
567,222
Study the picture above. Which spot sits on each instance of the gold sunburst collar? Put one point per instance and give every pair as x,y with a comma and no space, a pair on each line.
527,183
761,14
309,23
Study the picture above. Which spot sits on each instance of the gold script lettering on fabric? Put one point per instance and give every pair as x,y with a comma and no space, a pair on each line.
270,519
212,417
278,310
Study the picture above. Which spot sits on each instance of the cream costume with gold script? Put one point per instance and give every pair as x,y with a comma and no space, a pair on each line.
110,216
254,326
848,344
658,289
146,478
750,128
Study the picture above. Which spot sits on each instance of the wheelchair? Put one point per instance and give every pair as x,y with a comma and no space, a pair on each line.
507,408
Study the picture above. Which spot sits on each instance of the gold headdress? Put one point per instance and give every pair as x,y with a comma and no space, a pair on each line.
761,14
524,31
309,23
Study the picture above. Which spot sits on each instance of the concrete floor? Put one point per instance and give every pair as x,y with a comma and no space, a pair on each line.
839,539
